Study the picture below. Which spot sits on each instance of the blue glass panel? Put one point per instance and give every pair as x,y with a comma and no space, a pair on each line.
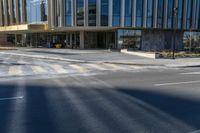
116,12
139,13
68,13
170,13
92,12
180,13
128,13
80,12
104,12
160,13
189,14
149,13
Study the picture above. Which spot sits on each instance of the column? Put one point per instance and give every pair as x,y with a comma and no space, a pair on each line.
52,5
185,13
24,17
134,13
17,12
85,12
62,13
98,13
6,13
74,13
11,12
81,39
155,13
193,14
165,13
110,13
1,13
122,15
144,21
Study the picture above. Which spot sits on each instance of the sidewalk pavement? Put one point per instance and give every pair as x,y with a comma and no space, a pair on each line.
122,59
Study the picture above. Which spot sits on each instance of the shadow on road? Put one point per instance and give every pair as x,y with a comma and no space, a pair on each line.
55,109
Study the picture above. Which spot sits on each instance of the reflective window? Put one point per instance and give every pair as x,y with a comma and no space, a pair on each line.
160,13
180,13
149,13
170,13
14,14
36,11
80,12
116,12
189,14
104,12
92,12
128,13
138,13
68,13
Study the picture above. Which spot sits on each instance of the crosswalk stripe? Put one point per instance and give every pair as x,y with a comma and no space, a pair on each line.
15,70
99,67
59,69
79,68
38,69
113,66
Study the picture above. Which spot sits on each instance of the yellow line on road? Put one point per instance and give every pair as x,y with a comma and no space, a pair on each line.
79,68
15,70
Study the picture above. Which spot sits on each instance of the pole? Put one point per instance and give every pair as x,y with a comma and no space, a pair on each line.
175,10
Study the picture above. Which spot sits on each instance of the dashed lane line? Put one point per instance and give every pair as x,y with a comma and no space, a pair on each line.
177,83
79,68
15,70
58,68
38,69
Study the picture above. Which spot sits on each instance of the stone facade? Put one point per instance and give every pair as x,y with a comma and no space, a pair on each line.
157,40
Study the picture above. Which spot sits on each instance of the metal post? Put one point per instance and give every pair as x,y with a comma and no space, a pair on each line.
175,11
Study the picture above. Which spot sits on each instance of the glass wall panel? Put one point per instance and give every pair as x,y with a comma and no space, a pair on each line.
104,12
68,13
139,13
189,14
180,13
36,11
197,15
160,13
92,12
149,13
128,13
116,12
80,12
170,14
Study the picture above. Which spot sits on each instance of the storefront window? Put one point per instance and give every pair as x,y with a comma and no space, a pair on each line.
129,39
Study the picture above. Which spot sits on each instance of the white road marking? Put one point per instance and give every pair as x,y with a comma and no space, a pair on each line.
113,66
190,73
15,70
99,67
177,83
38,69
79,68
59,69
11,98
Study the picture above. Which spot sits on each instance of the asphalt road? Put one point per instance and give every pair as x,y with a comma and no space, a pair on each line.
151,100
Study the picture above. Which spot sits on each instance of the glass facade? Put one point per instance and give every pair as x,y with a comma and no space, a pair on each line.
197,22
80,12
139,13
128,13
104,12
116,12
149,13
92,12
170,14
68,13
36,11
180,13
189,14
160,13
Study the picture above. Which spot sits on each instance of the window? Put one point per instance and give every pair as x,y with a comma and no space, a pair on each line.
197,15
116,12
160,13
139,13
170,14
92,12
68,13
128,13
149,13
104,12
80,12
